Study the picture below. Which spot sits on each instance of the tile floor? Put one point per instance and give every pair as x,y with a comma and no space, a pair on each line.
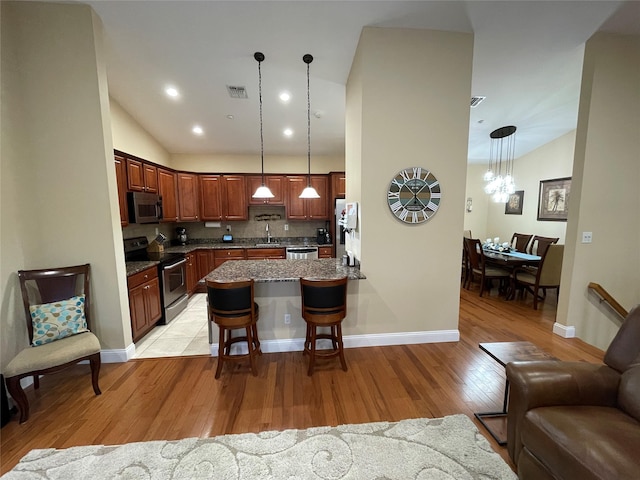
186,335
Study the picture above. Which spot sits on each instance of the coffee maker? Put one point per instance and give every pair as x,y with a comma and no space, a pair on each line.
321,237
181,233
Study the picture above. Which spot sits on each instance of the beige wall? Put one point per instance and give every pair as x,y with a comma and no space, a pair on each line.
606,175
476,219
251,163
62,208
413,272
131,138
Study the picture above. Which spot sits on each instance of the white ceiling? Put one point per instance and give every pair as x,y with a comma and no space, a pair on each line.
527,62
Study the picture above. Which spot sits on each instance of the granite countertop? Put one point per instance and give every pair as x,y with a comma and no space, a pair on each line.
136,267
283,270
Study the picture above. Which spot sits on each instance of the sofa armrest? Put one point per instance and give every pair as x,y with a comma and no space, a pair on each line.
548,383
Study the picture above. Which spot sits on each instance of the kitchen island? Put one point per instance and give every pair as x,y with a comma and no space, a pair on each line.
277,292
283,270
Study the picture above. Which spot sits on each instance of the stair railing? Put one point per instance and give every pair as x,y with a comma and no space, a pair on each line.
606,297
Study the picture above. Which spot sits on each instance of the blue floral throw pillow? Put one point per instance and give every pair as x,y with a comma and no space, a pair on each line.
53,321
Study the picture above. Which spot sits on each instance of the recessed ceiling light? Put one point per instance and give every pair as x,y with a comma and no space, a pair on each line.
172,92
287,132
230,117
285,96
197,130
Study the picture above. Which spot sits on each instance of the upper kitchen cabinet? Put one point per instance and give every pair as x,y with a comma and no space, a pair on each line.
141,176
223,197
275,184
121,179
168,190
338,184
307,208
188,198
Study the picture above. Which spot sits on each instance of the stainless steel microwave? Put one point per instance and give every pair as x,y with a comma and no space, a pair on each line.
144,207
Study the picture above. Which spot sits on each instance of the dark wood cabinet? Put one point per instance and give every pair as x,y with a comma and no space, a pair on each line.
338,185
224,254
188,198
121,180
192,272
168,190
223,197
141,176
308,208
210,197
205,262
265,253
275,184
325,252
144,302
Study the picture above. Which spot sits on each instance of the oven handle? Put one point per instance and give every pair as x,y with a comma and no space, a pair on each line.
174,265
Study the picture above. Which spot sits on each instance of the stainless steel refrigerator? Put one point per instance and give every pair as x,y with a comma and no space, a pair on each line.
339,235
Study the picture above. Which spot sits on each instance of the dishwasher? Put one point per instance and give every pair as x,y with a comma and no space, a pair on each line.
302,253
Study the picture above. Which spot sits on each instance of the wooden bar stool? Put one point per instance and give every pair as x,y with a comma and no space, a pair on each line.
231,307
324,304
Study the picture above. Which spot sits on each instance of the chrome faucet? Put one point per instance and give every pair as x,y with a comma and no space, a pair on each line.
268,234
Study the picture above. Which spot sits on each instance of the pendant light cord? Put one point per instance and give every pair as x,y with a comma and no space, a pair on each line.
308,129
261,136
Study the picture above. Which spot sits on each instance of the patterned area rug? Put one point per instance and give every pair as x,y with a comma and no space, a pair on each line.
435,449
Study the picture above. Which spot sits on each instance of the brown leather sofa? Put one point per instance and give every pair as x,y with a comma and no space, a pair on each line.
576,420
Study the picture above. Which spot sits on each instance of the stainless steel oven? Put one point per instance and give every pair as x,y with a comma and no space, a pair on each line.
173,279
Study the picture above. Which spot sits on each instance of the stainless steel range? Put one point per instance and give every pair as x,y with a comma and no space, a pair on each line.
172,272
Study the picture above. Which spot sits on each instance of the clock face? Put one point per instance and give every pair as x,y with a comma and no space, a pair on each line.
414,195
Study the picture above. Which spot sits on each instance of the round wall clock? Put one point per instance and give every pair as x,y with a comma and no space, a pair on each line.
414,195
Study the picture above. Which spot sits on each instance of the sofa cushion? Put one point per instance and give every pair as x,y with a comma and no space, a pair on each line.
583,442
629,392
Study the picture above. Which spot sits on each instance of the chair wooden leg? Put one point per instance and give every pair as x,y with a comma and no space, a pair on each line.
341,346
221,348
256,340
535,299
94,362
19,397
307,341
252,350
312,351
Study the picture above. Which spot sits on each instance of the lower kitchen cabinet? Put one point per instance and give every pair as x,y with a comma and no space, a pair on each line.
325,252
265,253
222,255
192,272
144,301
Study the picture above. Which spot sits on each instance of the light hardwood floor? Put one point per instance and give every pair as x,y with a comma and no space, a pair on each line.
172,398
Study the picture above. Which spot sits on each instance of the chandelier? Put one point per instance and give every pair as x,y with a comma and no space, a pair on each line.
499,175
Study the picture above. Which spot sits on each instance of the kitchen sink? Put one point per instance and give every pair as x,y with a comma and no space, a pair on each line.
267,245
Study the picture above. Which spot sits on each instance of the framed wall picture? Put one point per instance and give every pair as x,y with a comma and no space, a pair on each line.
514,204
553,199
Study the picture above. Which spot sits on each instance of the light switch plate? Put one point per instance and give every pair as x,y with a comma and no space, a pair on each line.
587,237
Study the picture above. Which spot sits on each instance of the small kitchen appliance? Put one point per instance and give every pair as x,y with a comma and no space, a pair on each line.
321,237
181,234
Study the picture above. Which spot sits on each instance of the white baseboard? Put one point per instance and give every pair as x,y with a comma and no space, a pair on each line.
350,341
118,355
565,331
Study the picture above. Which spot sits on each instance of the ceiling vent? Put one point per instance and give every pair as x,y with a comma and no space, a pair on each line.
237,92
477,100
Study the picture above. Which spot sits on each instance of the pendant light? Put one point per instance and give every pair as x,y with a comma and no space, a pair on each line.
309,191
500,184
262,191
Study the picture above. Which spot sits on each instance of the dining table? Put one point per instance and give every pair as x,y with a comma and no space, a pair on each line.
510,260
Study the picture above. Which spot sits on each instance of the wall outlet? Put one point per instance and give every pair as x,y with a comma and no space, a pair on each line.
587,237
287,318
286,227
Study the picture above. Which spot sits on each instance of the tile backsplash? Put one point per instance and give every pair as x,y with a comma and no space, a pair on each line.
255,227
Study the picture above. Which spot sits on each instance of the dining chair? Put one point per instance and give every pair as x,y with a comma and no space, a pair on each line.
547,275
520,241
231,306
539,245
57,307
478,266
324,304
465,261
